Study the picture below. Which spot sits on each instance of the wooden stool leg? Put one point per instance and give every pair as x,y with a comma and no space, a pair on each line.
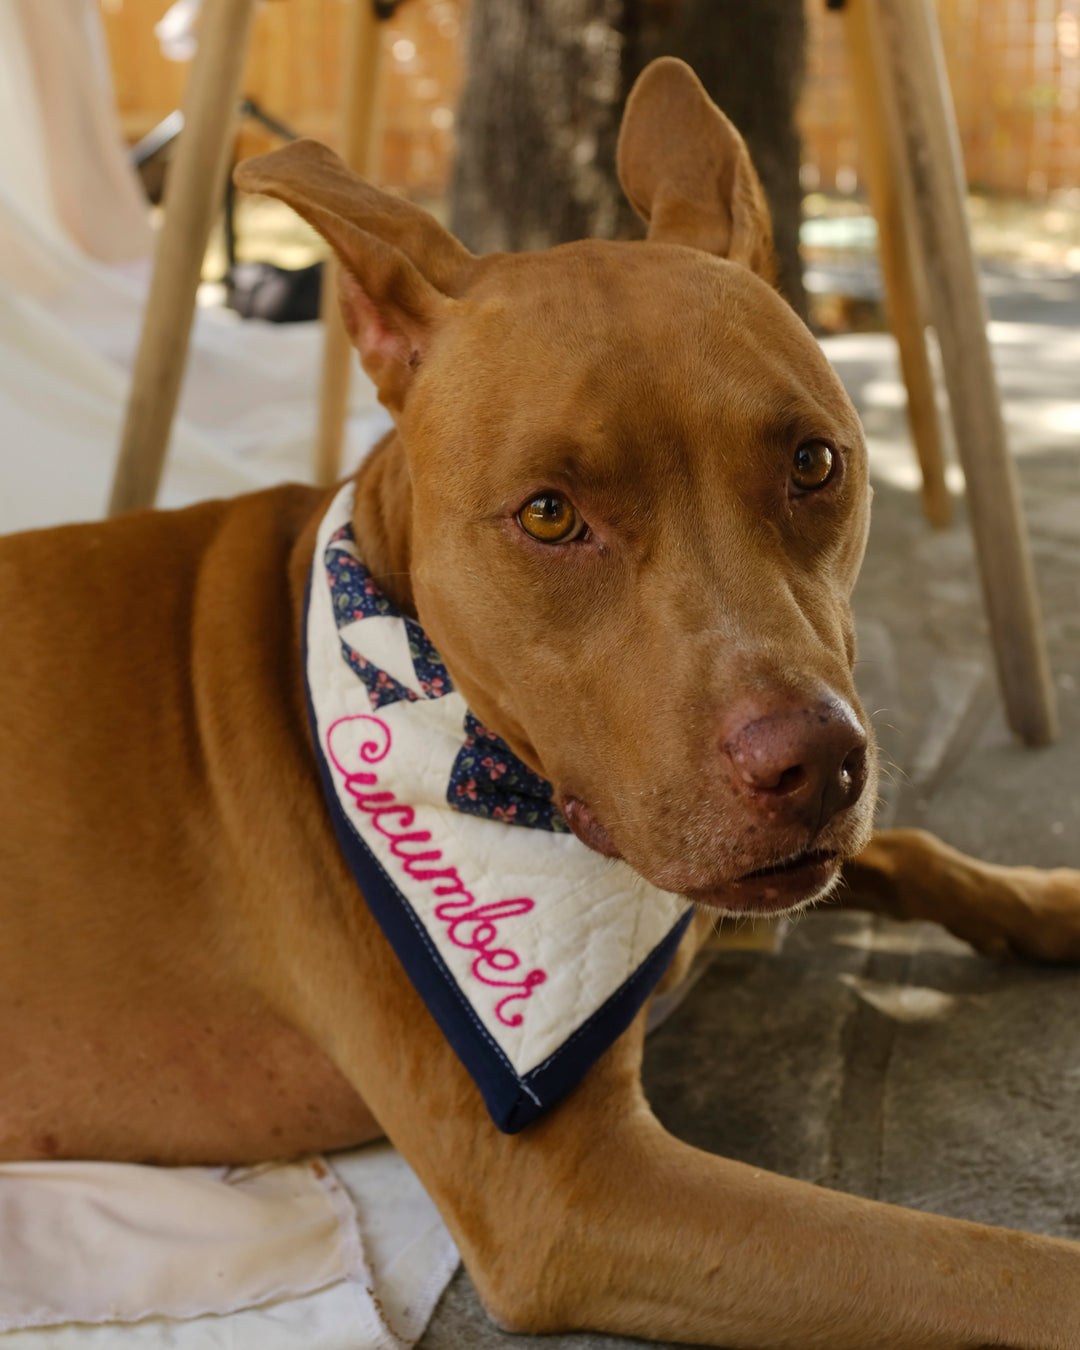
915,70
360,151
905,287
192,199
336,381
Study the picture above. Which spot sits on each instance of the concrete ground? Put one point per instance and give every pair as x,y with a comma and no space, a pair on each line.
892,1061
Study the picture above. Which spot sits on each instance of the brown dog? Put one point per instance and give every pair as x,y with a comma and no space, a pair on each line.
611,460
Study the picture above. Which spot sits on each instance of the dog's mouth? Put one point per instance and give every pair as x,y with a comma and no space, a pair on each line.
807,858
789,884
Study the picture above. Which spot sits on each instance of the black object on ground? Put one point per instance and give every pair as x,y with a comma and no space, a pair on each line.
260,290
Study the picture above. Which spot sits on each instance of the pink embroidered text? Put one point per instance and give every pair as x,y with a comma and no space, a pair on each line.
470,926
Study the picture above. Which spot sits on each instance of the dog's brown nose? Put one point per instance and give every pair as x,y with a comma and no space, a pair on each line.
799,761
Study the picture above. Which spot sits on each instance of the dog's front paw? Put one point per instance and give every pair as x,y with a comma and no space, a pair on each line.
1034,915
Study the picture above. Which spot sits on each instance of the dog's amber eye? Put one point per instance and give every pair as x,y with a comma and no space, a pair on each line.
812,466
549,518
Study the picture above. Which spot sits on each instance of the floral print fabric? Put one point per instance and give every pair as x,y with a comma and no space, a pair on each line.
487,778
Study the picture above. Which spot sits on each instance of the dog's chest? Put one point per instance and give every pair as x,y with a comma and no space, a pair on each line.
198,1075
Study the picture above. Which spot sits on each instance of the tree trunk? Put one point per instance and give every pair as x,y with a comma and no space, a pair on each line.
544,92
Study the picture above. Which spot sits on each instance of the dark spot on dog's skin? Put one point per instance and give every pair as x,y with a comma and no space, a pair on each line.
47,1145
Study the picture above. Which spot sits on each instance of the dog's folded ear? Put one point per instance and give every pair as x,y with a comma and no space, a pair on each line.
400,270
687,172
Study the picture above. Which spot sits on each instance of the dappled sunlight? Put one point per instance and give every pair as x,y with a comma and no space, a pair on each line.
1036,363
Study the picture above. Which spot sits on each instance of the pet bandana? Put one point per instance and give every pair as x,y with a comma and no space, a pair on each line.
532,952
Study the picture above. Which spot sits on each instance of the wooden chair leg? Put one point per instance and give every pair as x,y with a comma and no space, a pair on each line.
192,199
905,288
914,68
360,151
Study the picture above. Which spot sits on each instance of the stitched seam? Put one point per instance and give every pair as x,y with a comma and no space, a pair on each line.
444,974
626,985
402,903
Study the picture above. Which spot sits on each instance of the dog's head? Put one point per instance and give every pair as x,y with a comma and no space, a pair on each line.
636,498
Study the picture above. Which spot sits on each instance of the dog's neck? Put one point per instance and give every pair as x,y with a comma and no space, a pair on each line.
382,520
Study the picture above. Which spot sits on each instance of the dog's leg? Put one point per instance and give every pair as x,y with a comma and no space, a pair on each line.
1020,911
715,1252
596,1218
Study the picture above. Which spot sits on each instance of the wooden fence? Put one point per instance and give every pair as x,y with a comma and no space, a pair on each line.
1014,67
294,72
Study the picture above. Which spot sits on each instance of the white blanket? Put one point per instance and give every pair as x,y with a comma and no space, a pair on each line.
307,1256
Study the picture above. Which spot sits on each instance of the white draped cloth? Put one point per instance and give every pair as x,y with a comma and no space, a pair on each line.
74,266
